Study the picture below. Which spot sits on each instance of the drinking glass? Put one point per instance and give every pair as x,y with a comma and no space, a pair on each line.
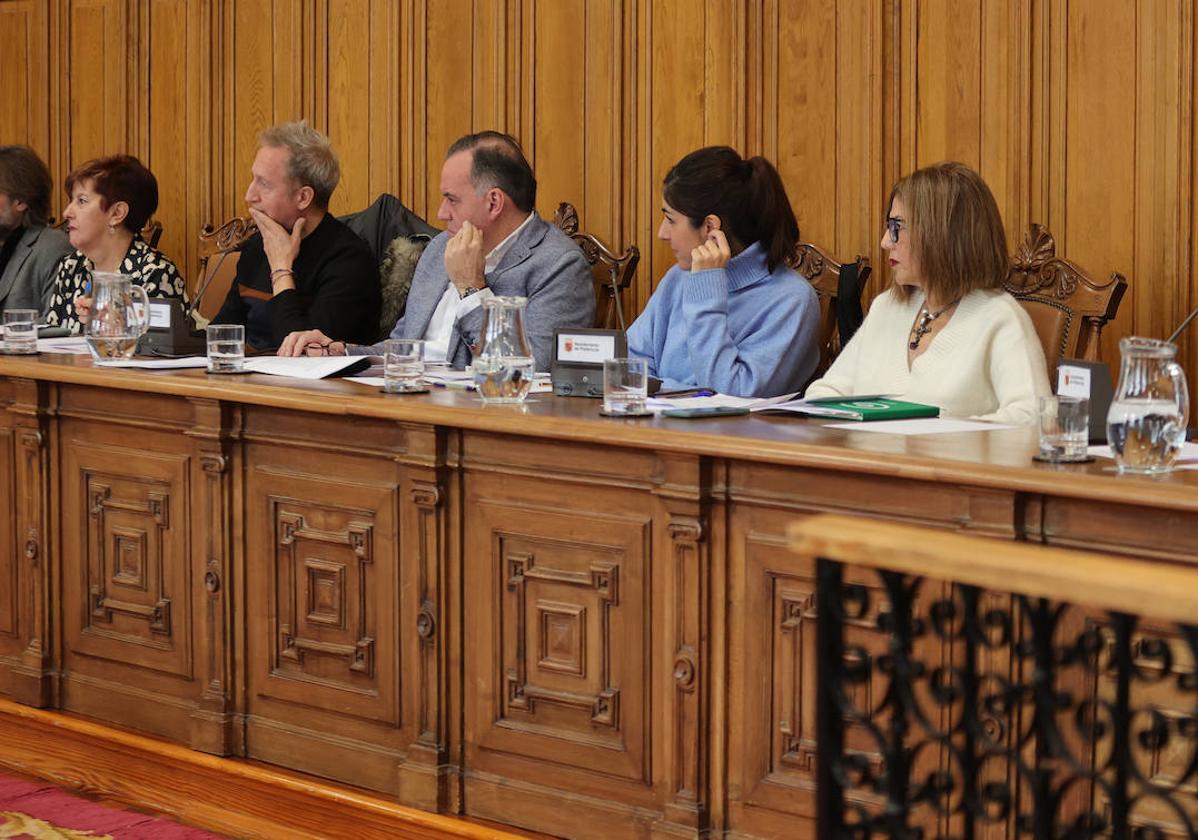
625,386
403,366
226,348
1064,428
20,331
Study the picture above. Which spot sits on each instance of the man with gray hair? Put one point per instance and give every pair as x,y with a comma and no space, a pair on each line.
495,244
304,269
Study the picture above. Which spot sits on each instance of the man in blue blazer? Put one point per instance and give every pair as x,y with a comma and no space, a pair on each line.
495,244
29,250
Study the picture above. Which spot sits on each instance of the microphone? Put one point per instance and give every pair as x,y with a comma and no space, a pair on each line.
1182,328
195,303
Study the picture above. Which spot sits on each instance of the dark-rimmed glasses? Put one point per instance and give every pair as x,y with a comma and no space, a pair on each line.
893,226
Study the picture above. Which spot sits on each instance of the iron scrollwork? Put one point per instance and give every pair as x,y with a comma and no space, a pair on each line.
1042,720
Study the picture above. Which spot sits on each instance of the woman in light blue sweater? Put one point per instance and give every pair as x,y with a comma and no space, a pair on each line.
730,315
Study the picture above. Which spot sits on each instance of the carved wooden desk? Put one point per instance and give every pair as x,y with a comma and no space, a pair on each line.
532,614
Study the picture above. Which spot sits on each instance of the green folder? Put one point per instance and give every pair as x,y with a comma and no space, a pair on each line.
863,408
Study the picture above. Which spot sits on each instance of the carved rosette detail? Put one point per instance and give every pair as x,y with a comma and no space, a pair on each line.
684,672
426,625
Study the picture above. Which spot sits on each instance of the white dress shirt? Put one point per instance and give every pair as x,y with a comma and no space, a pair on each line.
453,306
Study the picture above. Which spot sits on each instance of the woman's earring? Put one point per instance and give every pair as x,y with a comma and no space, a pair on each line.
112,230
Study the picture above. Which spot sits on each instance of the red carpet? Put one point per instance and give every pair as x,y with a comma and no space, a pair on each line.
39,811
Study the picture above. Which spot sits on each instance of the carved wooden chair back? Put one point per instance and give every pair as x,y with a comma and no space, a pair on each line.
152,233
1068,307
223,243
824,273
612,272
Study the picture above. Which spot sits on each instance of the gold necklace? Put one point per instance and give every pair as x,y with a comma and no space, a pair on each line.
926,317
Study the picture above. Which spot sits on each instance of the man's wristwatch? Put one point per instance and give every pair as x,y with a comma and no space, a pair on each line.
468,291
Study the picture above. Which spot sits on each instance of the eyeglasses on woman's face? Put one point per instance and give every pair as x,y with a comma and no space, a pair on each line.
893,226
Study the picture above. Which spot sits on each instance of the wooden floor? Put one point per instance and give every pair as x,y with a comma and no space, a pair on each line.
238,798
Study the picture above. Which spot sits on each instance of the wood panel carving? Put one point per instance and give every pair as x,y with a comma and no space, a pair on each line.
557,646
134,571
33,676
215,727
546,616
326,667
426,499
566,646
326,624
688,589
10,554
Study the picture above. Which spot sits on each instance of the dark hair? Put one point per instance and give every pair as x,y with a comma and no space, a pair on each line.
24,177
120,178
498,161
956,230
747,195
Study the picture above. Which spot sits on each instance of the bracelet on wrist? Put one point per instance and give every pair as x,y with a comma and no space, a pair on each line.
279,272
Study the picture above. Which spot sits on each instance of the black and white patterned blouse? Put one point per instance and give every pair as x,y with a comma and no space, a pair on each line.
148,268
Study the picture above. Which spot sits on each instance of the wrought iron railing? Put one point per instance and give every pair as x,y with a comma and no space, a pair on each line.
973,688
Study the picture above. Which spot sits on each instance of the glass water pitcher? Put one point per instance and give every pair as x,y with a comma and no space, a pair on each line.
117,321
504,365
1146,425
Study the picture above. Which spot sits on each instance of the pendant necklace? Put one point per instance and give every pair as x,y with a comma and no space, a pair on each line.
926,317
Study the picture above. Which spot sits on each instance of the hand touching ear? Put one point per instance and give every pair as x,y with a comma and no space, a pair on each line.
714,253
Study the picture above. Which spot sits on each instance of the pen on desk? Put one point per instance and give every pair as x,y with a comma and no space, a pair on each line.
685,393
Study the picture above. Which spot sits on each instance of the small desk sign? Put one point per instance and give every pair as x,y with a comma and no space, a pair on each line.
1073,381
578,357
170,331
160,315
594,348
1090,381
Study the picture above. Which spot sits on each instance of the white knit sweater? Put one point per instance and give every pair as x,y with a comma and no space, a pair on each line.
985,363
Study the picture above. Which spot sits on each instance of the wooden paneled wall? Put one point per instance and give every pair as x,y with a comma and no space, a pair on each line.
1079,114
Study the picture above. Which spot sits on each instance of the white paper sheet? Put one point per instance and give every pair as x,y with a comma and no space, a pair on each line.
72,345
1189,452
921,426
372,381
300,367
660,404
156,364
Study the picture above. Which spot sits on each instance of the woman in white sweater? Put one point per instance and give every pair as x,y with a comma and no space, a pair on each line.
945,333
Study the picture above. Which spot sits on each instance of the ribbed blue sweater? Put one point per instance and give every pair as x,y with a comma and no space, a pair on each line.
739,329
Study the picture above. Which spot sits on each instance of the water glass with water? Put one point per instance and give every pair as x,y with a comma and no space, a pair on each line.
625,386
20,331
1064,428
226,348
403,366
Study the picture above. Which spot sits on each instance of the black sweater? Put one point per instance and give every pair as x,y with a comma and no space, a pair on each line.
336,290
